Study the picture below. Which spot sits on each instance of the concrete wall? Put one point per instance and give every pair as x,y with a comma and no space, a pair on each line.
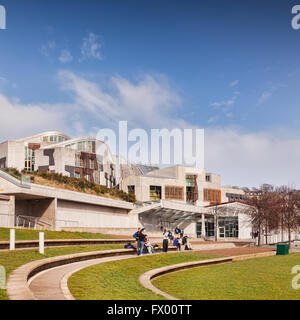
42,208
245,227
7,211
62,157
74,214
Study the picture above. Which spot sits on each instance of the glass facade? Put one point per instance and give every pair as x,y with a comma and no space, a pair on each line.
155,193
29,159
228,227
54,138
83,146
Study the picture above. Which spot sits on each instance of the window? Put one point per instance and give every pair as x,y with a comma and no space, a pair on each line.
208,178
234,196
155,193
210,227
77,175
29,159
174,193
131,189
91,164
228,227
212,195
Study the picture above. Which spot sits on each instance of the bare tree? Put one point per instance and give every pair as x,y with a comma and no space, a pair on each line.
262,210
289,204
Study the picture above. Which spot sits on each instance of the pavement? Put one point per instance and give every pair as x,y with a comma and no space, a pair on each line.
47,285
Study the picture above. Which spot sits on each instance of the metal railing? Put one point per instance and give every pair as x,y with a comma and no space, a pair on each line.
29,222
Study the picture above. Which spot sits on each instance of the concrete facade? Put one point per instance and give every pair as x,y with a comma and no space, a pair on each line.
178,176
57,209
55,152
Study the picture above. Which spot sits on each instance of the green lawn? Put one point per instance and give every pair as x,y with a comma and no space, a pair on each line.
13,260
22,234
119,279
257,279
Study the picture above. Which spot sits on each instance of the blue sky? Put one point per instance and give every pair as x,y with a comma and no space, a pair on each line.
231,67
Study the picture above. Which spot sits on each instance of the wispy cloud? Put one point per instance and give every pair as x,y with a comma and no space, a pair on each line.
224,103
266,95
234,83
145,102
47,48
65,56
91,47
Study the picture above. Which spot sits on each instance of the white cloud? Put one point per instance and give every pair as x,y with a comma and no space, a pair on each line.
65,56
146,101
250,159
18,120
91,47
266,95
234,83
223,103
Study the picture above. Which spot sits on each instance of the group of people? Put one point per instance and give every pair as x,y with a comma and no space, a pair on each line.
179,241
144,245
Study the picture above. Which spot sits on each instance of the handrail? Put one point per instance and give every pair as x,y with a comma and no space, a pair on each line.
13,180
35,221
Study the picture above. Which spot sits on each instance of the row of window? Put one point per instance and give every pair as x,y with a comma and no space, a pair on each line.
177,193
83,146
79,162
212,195
54,138
234,196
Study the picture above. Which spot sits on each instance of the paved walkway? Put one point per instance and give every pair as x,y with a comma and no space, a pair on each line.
47,284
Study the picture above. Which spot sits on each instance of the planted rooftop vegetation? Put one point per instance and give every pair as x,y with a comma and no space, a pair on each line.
57,180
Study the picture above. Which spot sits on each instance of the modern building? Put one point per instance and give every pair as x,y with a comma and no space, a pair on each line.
178,196
87,158
187,185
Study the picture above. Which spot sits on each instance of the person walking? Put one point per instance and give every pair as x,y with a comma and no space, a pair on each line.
141,238
165,241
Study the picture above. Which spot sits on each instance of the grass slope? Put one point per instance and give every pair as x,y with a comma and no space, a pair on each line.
257,279
22,234
13,260
119,279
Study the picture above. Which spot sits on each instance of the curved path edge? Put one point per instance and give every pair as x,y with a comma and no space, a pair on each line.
146,278
17,287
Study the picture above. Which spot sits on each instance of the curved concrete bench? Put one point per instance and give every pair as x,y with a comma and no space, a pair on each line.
4,245
146,278
17,283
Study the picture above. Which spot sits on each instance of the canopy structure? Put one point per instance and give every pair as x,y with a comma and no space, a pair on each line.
155,216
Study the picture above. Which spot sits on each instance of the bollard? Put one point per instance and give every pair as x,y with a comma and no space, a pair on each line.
12,239
2,278
41,243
